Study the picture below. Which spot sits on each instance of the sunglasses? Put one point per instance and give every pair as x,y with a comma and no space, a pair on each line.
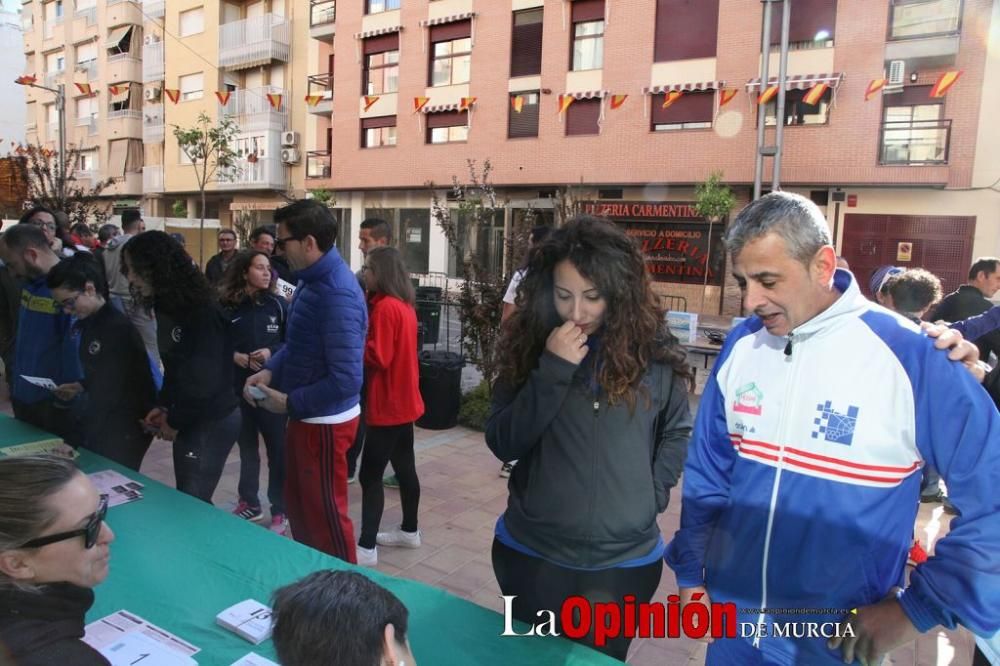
89,533
280,242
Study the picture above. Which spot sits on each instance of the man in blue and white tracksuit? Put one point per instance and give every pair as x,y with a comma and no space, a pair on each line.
803,474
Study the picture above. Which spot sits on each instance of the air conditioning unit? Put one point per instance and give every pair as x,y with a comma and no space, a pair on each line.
151,39
897,72
289,139
290,155
151,94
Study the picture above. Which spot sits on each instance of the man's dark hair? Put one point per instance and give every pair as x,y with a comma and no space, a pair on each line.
307,217
335,617
106,232
378,228
986,265
130,219
914,290
22,236
34,210
260,231
75,272
231,232
540,233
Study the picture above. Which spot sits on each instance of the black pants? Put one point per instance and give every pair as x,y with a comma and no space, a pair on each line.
47,415
272,427
541,585
359,442
117,436
382,445
200,453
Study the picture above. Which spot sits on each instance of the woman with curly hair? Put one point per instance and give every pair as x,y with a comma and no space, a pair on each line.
196,406
592,401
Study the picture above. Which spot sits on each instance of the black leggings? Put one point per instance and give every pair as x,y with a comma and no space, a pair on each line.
385,444
540,585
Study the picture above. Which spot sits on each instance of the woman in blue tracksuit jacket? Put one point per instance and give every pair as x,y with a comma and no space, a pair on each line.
257,316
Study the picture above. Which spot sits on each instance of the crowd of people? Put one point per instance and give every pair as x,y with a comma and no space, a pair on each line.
826,419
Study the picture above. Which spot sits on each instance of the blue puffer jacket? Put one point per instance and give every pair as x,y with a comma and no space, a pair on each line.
321,365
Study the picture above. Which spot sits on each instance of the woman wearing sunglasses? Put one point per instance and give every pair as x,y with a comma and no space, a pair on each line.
54,549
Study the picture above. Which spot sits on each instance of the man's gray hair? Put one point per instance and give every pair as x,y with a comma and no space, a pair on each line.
794,218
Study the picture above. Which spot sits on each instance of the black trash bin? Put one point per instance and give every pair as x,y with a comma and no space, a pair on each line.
440,388
429,312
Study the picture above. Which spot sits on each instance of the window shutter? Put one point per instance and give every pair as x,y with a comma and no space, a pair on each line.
686,29
808,18
526,44
588,10
450,31
582,117
692,107
447,119
524,124
379,121
381,44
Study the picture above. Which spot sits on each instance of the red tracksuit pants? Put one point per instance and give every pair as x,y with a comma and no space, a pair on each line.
316,486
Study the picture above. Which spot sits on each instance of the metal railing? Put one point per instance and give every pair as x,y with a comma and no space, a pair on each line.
265,173
125,113
153,68
53,78
50,25
254,41
153,128
154,8
152,178
124,57
321,84
318,164
322,12
930,18
88,13
915,142
89,68
252,110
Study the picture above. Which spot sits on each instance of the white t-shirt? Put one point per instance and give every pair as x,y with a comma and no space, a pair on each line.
512,287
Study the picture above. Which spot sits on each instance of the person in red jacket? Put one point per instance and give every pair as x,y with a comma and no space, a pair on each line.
393,402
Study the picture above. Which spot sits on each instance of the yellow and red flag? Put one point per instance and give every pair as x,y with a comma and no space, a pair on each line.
115,89
84,88
26,80
874,86
370,101
767,95
172,93
223,97
944,83
274,100
466,103
617,101
313,100
815,94
419,103
517,103
671,97
726,96
564,102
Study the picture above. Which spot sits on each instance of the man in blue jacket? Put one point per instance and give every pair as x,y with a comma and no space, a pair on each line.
803,472
316,378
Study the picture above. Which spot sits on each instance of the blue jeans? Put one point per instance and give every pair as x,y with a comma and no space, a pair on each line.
200,453
272,427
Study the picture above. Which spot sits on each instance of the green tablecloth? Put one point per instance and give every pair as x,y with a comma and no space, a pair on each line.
177,562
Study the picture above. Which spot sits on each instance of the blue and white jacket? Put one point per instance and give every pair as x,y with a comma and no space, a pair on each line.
803,474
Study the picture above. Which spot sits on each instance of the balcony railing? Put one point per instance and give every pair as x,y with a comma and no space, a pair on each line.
265,173
152,178
50,26
931,18
153,129
321,84
89,68
251,109
254,41
87,13
318,164
154,8
915,142
322,12
125,113
52,79
152,62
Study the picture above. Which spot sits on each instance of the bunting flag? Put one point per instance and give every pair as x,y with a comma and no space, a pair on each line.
252,157
19,150
517,103
671,97
313,100
419,103
874,86
944,83
84,88
223,97
564,102
815,94
275,100
617,101
767,95
466,103
726,96
26,80
370,101
172,93
115,89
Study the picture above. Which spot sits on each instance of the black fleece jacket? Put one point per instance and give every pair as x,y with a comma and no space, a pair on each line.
44,628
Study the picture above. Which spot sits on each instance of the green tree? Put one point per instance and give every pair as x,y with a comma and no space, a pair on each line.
80,199
713,201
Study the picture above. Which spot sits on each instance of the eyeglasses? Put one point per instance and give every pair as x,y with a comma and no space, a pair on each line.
280,242
89,533
45,225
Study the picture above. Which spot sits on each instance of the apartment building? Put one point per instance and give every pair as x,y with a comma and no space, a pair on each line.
536,87
11,66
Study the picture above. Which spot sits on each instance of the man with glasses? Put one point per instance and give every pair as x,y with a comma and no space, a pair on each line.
217,265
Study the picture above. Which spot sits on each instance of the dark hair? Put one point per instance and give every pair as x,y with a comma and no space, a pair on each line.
130,218
635,331
76,272
231,232
260,231
335,617
391,276
161,261
307,217
81,229
22,236
179,237
986,265
106,232
794,218
34,210
378,228
914,290
539,233
233,286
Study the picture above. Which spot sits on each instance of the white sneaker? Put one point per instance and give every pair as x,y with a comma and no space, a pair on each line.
399,539
367,557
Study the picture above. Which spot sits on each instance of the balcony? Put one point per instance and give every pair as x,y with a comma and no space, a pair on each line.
87,127
318,164
251,110
89,68
915,142
321,84
925,32
322,14
153,128
125,124
153,68
52,29
124,67
154,8
254,41
87,17
52,79
128,185
265,173
152,179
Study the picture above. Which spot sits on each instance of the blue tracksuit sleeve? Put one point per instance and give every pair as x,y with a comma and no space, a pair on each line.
976,327
958,431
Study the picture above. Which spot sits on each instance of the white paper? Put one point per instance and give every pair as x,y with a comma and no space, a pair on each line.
111,628
287,289
137,648
253,659
43,382
249,619
119,488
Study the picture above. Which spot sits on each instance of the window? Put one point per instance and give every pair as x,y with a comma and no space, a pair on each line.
55,62
85,4
379,6
191,86
87,160
451,53
120,40
381,65
525,123
911,18
51,115
812,24
378,132
192,21
58,9
692,110
526,43
583,117
86,53
588,35
86,108
914,130
448,127
798,112
410,234
687,29
127,98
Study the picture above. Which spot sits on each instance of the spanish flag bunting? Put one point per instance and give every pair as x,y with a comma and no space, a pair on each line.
767,95
84,88
275,100
726,96
370,101
671,97
815,94
419,103
944,83
172,93
223,97
517,103
874,86
313,100
618,100
26,80
466,103
564,102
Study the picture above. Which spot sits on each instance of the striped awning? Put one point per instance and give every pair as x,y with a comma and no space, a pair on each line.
440,108
684,87
589,94
801,81
378,32
123,92
117,36
441,20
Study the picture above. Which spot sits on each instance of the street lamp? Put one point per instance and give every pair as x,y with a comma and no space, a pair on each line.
60,93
